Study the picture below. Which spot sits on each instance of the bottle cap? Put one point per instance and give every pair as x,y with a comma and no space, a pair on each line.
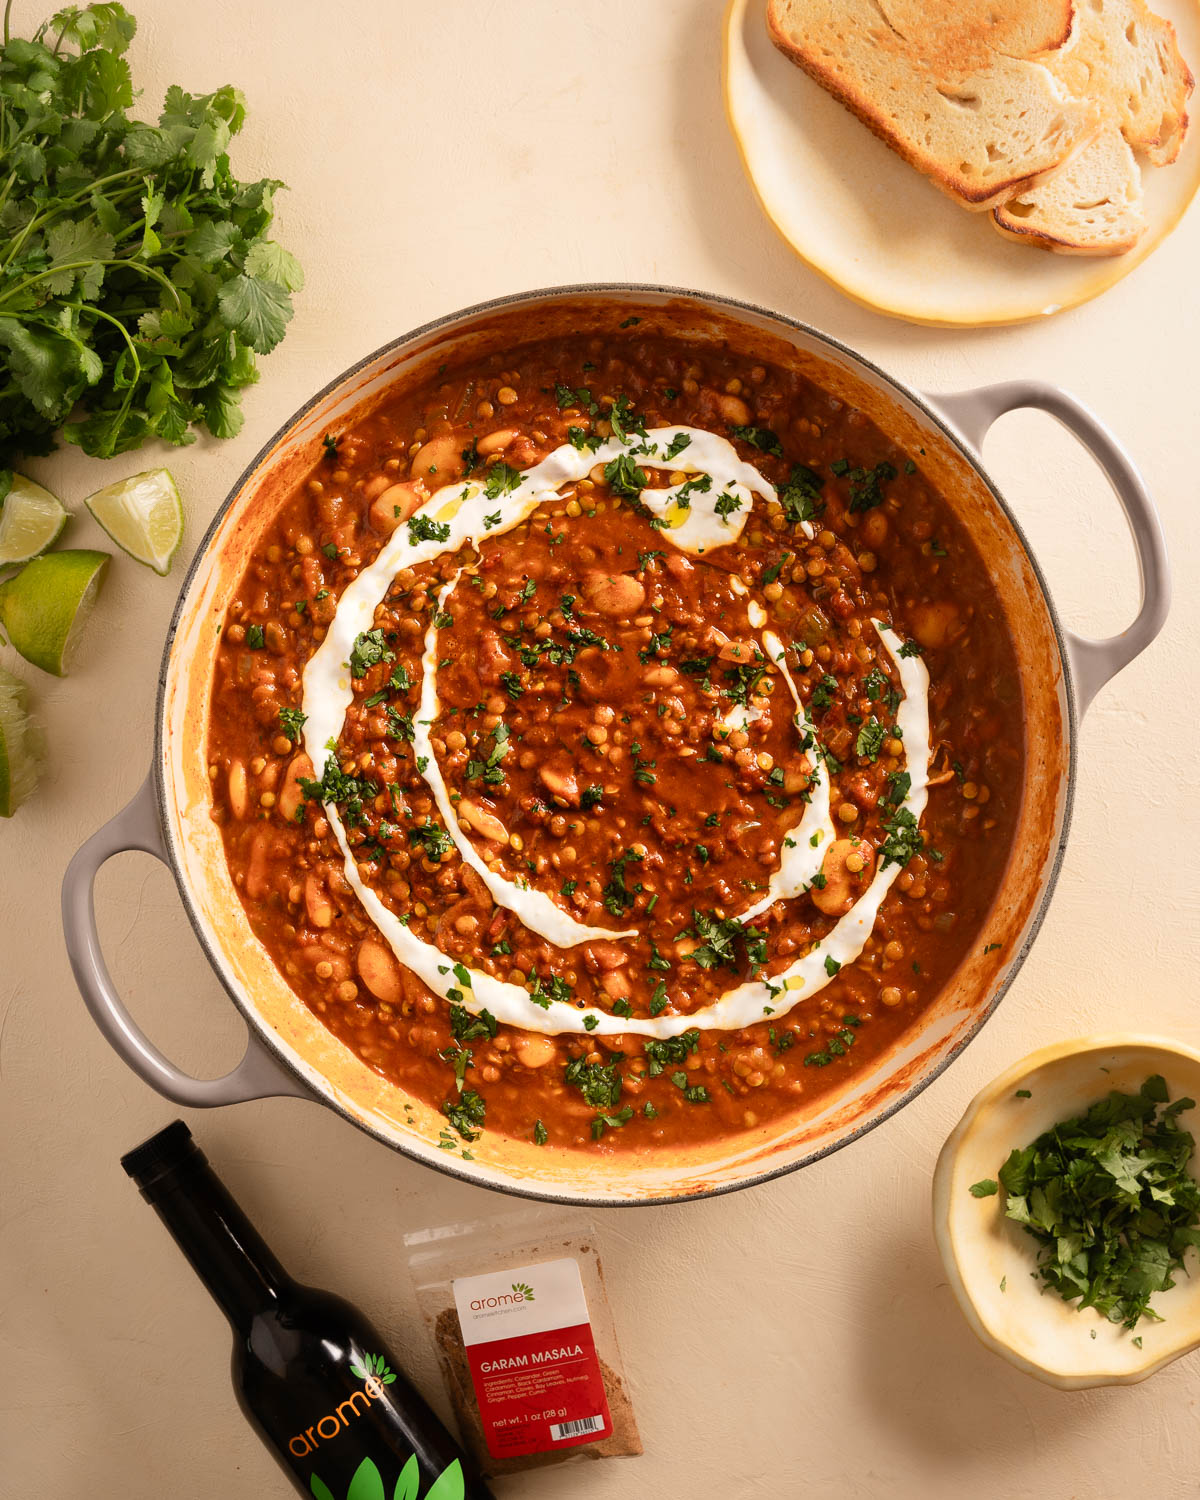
172,1147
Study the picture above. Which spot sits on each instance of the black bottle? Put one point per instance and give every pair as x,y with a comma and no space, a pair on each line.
310,1373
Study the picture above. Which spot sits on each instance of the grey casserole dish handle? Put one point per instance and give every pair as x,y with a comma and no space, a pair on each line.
1092,663
259,1075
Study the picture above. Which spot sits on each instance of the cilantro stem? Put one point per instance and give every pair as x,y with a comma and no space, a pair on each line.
99,312
82,265
63,203
7,11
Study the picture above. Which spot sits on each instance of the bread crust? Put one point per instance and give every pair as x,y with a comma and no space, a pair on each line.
1044,240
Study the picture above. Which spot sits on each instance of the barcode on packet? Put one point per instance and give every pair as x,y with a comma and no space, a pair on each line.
560,1430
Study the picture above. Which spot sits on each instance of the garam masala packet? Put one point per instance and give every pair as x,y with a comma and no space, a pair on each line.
525,1339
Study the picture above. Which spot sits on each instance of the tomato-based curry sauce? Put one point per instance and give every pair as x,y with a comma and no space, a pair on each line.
632,721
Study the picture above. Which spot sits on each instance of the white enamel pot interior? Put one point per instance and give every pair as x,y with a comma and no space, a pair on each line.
291,1052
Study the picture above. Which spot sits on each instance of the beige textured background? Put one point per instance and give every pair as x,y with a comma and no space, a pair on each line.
795,1339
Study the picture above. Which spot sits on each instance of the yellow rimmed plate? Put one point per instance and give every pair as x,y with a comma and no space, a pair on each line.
883,234
989,1258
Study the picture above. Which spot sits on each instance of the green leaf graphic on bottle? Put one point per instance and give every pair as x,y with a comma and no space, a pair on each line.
367,1484
373,1366
449,1485
523,1290
409,1483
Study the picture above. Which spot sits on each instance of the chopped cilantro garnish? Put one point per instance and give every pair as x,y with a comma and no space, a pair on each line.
761,438
823,693
866,485
624,477
671,1051
800,497
870,740
726,504
694,1093
434,841
422,529
466,1114
903,838
465,1027
348,792
291,722
603,1121
553,988
618,897
400,726
599,1083
369,648
501,479
718,936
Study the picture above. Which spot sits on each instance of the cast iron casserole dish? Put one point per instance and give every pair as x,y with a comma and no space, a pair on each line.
291,1053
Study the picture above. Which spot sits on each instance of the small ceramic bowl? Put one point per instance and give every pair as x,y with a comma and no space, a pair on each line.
989,1258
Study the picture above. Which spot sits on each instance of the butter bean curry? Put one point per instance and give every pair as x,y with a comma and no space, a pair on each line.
674,743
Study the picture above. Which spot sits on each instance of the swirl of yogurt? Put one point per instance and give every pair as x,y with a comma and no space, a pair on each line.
697,517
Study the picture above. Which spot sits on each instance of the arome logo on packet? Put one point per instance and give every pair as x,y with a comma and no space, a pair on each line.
521,1292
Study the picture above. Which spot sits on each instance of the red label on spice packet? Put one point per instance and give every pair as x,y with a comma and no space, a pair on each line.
533,1358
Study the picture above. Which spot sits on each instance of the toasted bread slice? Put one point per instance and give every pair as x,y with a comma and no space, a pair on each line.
982,135
1127,58
965,35
1092,206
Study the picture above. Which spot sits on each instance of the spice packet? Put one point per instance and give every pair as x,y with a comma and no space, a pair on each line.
524,1335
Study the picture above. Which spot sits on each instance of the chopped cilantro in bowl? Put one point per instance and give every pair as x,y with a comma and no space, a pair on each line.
1092,1279
1110,1200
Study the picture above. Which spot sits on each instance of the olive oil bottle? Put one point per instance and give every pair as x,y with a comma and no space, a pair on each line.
312,1376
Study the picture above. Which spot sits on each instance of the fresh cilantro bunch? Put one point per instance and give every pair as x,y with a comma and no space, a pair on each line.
137,282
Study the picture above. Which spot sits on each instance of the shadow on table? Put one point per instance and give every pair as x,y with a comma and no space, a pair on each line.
961,1411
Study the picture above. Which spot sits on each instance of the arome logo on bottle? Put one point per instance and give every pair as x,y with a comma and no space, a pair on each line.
521,1292
375,1374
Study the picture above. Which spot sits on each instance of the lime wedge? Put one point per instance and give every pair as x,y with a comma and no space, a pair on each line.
44,607
143,515
30,521
21,749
